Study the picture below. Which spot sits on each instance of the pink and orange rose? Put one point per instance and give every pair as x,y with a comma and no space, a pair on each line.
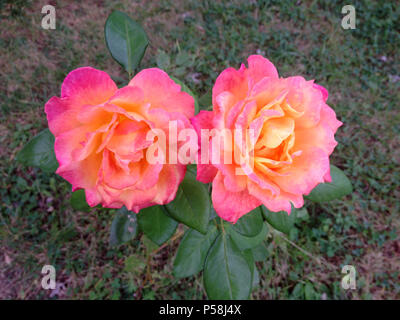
101,132
102,138
293,137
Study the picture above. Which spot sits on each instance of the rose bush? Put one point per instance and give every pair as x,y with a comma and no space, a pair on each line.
293,137
100,136
117,145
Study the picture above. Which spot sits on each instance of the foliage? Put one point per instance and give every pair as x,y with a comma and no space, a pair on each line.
36,208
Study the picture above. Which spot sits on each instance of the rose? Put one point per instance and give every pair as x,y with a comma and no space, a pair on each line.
293,137
102,136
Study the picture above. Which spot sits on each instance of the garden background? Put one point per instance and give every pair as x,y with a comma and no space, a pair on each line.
194,41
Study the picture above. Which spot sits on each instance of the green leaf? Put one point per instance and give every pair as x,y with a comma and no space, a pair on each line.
156,224
213,214
248,255
78,201
250,224
302,214
227,274
149,245
124,227
205,101
281,221
163,60
298,292
126,40
192,251
39,152
186,89
192,204
191,169
135,263
309,292
338,188
256,278
182,59
244,242
260,252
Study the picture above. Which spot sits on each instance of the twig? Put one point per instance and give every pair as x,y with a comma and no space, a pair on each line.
319,260
175,237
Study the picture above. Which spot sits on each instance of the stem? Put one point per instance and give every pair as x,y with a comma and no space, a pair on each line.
175,237
319,260
222,226
150,255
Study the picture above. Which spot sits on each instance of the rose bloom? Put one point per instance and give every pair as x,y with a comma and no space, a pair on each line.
100,136
293,137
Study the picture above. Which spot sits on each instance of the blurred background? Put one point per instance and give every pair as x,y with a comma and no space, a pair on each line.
194,41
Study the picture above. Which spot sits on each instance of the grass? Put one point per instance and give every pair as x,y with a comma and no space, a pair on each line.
359,67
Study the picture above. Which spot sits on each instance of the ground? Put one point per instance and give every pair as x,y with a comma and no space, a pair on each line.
360,68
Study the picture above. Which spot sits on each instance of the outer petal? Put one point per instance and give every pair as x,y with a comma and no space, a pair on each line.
324,92
303,97
203,120
83,86
322,135
327,176
88,86
232,80
280,202
61,116
161,91
230,206
81,174
133,200
328,116
129,98
306,171
170,178
260,67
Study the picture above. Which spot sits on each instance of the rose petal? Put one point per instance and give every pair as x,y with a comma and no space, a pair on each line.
230,206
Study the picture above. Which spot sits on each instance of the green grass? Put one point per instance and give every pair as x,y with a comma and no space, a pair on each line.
359,68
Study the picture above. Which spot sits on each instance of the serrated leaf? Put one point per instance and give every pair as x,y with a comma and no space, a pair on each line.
192,204
281,221
250,224
156,224
39,152
227,274
337,189
78,201
124,227
126,40
186,89
192,251
244,242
